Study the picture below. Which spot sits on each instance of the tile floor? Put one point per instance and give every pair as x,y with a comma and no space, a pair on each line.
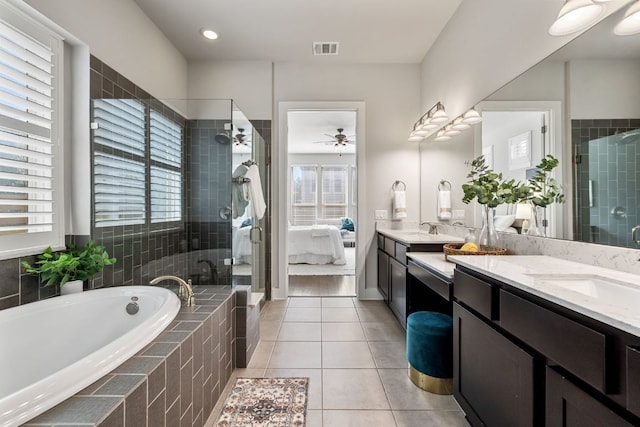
354,354
322,286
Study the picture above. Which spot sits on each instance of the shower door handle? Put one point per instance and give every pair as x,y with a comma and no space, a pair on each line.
634,232
256,235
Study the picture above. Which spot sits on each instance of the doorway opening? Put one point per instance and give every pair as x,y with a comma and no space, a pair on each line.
322,203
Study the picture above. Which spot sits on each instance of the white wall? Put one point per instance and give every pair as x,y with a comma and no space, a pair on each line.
321,159
392,100
119,34
493,41
248,83
595,97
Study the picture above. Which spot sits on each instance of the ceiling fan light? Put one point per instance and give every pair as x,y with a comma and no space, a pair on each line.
575,15
630,24
459,124
471,117
441,136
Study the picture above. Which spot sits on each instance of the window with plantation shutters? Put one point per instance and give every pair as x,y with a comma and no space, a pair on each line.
304,195
334,191
118,162
166,176
30,179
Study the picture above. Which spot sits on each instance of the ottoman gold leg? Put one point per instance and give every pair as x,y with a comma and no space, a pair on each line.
429,383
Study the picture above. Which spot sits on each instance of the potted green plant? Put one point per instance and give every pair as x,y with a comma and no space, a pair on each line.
490,190
71,267
541,191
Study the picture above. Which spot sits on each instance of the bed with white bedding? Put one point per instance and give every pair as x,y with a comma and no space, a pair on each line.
316,244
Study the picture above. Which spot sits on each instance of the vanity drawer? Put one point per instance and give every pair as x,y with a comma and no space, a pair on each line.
633,379
380,241
474,293
430,280
390,246
401,253
577,348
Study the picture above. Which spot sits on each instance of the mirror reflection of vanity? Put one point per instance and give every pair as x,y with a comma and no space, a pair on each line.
586,97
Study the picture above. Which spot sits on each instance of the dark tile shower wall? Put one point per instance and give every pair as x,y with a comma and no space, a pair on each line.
209,198
613,170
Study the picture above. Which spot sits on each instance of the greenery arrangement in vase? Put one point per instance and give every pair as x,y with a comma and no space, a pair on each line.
58,268
491,190
542,190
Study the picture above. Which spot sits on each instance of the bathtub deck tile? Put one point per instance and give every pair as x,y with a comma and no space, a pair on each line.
162,349
186,326
89,390
121,385
139,365
200,317
172,336
88,410
135,407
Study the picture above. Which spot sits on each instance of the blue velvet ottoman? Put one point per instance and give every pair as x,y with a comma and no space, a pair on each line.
430,351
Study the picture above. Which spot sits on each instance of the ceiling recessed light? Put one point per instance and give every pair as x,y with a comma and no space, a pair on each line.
209,34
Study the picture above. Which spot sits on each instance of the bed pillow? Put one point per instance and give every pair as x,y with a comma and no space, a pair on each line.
502,222
347,224
246,223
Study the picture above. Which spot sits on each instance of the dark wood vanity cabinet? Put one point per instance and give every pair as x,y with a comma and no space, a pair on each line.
523,360
392,272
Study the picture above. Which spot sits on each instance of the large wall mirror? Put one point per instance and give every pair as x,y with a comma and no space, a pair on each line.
586,97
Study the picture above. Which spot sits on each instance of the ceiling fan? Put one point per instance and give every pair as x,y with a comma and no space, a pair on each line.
240,139
339,139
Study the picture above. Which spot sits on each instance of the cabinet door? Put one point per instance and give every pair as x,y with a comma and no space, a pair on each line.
398,303
493,377
569,406
383,274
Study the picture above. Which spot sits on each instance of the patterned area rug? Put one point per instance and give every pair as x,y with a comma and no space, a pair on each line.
266,402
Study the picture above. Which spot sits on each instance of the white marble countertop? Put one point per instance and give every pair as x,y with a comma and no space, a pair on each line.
609,296
417,236
434,261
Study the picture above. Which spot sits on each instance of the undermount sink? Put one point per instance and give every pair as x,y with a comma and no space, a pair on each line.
593,285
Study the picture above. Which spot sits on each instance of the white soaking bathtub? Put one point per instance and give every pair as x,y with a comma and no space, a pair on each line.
52,349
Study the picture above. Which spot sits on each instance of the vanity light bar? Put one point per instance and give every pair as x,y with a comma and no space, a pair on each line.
426,124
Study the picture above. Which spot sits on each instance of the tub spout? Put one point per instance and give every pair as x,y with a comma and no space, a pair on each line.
185,292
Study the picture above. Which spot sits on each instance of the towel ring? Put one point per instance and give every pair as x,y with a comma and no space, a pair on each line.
396,186
444,185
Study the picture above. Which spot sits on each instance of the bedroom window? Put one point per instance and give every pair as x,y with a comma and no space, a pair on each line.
304,186
31,179
334,191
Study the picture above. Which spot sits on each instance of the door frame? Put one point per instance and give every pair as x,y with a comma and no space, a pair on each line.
281,193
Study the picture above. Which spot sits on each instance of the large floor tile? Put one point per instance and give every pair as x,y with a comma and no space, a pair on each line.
341,355
359,419
300,302
389,354
314,396
293,354
387,331
352,389
273,313
342,331
261,356
303,315
337,302
332,314
300,331
269,329
404,395
375,313
314,418
430,418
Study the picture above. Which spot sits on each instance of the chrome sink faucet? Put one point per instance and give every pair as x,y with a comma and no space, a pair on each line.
433,228
185,292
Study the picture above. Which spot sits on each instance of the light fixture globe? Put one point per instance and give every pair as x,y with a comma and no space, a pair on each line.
471,117
459,124
415,138
450,131
630,24
575,15
439,116
440,136
429,126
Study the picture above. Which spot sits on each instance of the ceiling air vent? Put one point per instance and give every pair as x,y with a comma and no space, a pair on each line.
325,48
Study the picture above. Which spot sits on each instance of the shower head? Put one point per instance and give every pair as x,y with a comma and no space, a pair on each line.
222,138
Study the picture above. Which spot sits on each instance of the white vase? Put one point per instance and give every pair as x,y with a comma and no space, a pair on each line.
71,287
